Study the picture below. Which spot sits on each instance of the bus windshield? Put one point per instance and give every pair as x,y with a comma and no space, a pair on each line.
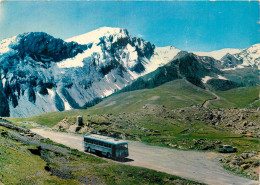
122,147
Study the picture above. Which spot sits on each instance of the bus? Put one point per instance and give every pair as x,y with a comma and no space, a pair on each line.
107,146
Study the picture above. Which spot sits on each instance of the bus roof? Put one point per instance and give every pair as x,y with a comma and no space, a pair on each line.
106,139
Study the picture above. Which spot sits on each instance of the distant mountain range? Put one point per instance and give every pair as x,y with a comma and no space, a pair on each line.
40,73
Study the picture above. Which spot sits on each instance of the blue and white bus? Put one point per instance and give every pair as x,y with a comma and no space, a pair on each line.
107,146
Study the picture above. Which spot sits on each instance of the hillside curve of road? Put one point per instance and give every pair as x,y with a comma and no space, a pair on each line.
202,167
207,102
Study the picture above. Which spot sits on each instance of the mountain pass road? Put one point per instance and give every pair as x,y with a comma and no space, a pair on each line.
202,167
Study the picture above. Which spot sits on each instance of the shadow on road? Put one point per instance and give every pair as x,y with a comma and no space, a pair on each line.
124,160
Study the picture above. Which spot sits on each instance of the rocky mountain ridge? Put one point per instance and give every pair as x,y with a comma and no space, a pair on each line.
40,73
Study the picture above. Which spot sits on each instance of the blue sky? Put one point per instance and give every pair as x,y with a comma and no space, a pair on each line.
193,26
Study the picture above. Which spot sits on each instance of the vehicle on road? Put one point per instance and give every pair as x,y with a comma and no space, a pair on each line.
227,149
107,146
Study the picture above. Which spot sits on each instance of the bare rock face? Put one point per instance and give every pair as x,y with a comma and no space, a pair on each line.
79,121
77,126
35,66
62,125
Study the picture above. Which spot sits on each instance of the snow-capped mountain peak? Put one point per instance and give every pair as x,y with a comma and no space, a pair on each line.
218,54
46,74
5,45
236,58
96,35
108,45
250,56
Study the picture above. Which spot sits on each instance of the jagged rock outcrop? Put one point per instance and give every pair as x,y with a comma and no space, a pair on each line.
40,73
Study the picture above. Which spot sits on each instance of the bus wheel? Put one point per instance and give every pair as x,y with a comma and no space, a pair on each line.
108,155
89,150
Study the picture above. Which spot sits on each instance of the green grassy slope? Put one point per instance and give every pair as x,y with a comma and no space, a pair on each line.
174,94
20,166
239,97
